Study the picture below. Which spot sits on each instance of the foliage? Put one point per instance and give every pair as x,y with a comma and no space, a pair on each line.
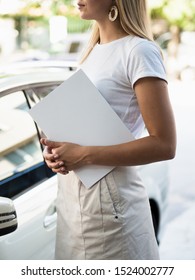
41,11
176,12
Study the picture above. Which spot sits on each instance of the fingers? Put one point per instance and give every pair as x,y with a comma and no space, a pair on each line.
52,144
43,141
51,157
57,167
49,151
61,169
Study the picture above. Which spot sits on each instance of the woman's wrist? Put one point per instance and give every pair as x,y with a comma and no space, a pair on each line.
90,154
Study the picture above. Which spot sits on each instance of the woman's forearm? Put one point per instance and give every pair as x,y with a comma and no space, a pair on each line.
142,151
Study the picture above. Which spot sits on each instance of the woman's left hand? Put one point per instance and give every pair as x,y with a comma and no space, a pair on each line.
68,153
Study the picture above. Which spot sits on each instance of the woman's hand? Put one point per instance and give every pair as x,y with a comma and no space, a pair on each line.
55,165
62,157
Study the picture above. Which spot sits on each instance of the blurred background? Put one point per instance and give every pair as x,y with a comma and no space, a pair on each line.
52,30
40,29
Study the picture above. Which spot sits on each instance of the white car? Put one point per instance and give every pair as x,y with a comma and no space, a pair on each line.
28,188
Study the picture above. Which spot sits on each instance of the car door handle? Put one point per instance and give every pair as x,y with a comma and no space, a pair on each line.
51,217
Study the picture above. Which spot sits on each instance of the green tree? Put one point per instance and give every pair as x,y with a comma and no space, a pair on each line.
180,16
180,13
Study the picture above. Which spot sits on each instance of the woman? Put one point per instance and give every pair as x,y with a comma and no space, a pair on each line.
112,220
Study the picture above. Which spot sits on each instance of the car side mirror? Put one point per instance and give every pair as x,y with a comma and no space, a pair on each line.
8,217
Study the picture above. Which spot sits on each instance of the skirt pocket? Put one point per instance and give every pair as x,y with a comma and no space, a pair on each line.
111,194
101,220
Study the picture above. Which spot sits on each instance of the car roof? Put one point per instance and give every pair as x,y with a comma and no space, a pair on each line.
20,76
23,76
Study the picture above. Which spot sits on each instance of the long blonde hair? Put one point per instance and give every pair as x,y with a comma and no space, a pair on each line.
134,19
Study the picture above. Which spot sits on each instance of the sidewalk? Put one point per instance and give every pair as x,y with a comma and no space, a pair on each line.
178,240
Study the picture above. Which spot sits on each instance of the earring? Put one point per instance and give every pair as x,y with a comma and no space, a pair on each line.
113,14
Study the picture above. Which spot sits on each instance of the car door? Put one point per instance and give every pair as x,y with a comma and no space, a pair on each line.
25,178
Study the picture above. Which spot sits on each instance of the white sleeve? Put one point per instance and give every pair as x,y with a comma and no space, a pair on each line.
145,61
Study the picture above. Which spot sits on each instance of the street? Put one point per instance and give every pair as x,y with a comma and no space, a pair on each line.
178,236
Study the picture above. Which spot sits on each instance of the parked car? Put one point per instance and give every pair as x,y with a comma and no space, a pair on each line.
28,188
8,217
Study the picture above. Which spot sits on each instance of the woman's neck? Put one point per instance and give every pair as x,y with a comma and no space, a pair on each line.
110,32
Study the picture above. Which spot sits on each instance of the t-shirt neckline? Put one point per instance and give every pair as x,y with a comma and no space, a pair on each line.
112,42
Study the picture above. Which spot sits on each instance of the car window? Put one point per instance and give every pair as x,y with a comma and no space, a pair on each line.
35,94
21,160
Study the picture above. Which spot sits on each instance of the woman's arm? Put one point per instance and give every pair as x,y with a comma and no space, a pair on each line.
154,104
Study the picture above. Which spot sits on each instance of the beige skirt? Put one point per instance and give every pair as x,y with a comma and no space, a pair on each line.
109,221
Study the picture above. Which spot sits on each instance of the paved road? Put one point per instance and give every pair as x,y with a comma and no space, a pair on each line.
178,237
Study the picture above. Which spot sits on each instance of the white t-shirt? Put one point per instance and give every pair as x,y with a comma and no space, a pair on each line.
116,66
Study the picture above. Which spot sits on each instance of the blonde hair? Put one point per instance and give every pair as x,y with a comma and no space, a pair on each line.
134,19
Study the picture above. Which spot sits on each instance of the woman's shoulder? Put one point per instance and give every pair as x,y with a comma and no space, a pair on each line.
142,46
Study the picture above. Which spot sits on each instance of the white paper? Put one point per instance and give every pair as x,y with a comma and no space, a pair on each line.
76,112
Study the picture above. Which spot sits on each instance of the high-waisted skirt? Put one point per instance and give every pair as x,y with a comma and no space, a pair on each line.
109,221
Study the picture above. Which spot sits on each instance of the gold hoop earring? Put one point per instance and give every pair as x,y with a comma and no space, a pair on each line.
113,14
